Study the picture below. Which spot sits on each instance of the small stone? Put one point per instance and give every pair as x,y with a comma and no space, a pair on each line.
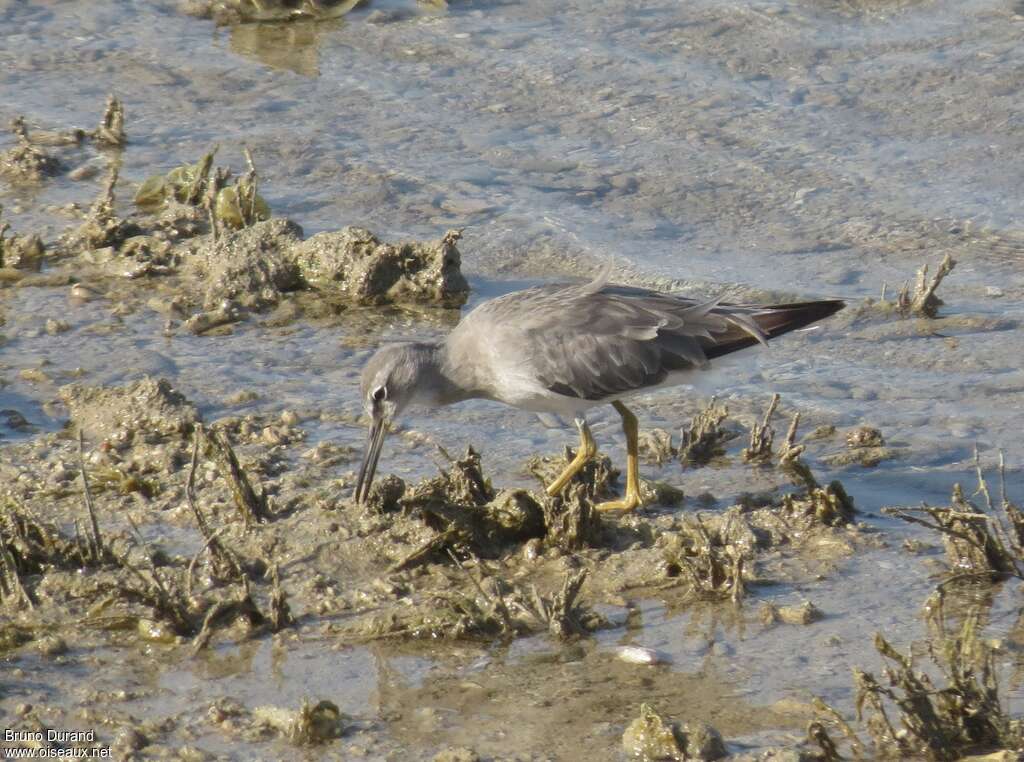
83,172
461,754
243,397
82,293
51,645
272,436
703,741
130,739
650,737
383,17
533,549
865,436
54,327
639,655
12,419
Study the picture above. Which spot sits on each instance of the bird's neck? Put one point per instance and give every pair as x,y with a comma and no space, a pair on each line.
443,378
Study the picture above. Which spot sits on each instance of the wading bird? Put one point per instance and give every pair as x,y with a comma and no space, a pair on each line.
562,349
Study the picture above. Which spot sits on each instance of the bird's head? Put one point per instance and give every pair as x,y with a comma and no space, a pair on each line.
394,377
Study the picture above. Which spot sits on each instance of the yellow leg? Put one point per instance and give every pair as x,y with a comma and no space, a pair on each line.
586,451
631,500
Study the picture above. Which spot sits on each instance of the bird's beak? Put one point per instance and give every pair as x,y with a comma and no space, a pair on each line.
378,430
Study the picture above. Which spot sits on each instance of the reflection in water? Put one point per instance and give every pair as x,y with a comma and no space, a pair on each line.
293,46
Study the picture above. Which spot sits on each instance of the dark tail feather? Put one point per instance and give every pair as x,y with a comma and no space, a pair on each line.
775,321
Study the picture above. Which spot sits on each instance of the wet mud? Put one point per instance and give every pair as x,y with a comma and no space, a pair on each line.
182,568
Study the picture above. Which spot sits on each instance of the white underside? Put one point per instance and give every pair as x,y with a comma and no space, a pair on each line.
540,400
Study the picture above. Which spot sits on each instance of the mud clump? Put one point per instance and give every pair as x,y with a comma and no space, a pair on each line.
803,614
462,504
227,12
311,725
354,263
20,252
150,410
385,494
865,436
26,162
865,446
652,738
250,267
29,161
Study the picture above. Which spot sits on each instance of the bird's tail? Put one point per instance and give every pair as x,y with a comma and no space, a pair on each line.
768,322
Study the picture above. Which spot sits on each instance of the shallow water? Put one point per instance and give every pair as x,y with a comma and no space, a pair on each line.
803,149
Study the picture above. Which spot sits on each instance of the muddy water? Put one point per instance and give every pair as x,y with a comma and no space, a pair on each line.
794,149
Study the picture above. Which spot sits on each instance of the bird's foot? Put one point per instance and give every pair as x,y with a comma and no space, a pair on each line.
630,502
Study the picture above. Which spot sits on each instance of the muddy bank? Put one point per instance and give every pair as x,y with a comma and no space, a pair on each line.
214,248
812,149
161,530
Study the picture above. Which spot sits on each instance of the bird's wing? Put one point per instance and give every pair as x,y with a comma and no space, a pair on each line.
596,341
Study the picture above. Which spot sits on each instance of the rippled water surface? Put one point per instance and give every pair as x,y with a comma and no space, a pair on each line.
764,150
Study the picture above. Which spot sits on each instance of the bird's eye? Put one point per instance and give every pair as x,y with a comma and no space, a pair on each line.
379,394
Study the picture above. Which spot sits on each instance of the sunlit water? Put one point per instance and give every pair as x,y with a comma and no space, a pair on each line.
804,148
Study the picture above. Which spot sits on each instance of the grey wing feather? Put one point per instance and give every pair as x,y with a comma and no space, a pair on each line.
597,341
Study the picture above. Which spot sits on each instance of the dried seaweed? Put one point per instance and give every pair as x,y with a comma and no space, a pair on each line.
21,252
790,460
923,302
705,439
251,501
762,435
908,715
204,185
570,520
280,611
11,588
34,547
225,563
828,506
102,227
110,131
655,446
980,543
704,555
240,205
561,614
26,162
